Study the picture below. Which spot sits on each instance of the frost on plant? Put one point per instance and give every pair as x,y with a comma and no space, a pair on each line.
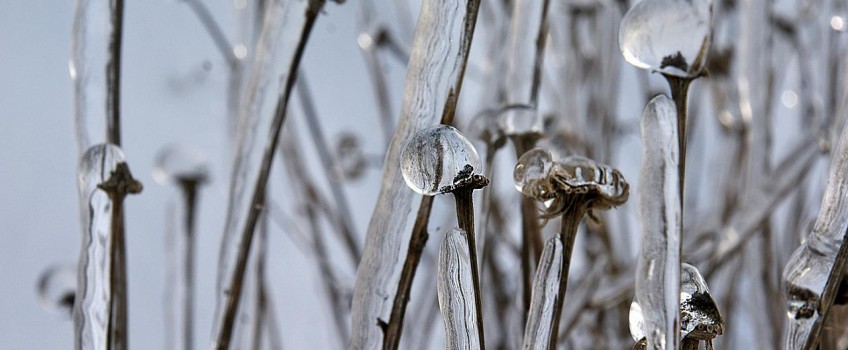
668,36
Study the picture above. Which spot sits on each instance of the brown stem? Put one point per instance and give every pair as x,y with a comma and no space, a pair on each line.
465,218
393,329
189,187
113,73
828,295
232,302
689,344
531,237
680,94
570,222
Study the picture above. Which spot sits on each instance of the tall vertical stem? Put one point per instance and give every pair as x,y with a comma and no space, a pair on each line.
531,238
568,232
189,188
113,73
680,94
465,218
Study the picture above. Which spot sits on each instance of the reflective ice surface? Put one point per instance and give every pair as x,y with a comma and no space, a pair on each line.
435,158
546,282
456,292
669,36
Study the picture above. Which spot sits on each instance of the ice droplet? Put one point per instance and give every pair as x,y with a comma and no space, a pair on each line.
669,36
532,172
350,156
521,120
435,157
486,127
57,288
176,163
546,283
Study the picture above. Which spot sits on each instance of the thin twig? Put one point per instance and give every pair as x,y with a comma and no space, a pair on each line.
113,73
232,302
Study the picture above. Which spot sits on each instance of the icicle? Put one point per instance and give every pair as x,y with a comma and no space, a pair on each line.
456,293
658,266
809,270
538,330
436,62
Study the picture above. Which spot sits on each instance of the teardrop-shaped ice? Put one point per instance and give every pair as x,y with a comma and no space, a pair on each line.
177,163
669,36
436,158
532,173
57,287
699,316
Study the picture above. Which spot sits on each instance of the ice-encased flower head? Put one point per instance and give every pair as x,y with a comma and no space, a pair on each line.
438,159
669,36
177,163
539,176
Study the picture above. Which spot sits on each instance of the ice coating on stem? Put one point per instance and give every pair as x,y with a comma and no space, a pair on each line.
658,265
669,36
92,305
437,58
807,273
546,283
527,43
435,158
92,30
456,292
57,287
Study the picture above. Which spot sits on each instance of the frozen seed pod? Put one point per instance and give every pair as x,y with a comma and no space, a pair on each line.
700,319
57,287
699,315
668,36
437,160
520,121
178,163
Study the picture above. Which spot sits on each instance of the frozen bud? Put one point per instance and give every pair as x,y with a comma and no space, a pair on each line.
177,163
699,316
438,159
521,120
580,175
668,36
486,127
350,156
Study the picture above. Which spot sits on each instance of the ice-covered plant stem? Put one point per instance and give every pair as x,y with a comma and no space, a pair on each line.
439,160
569,188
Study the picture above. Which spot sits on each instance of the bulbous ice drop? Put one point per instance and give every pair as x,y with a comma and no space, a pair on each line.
57,288
486,127
576,174
176,163
436,158
669,36
532,172
521,121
